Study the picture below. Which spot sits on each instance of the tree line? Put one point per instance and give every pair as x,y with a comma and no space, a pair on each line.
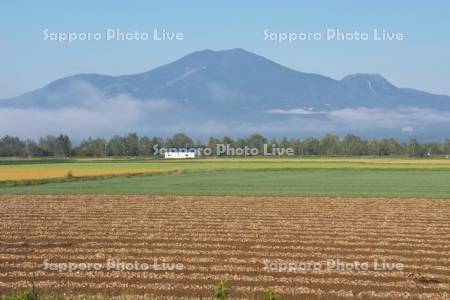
134,145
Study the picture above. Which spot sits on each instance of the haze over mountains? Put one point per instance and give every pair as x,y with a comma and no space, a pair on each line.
231,92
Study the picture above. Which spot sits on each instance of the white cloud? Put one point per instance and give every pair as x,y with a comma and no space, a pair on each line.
407,129
118,115
389,118
295,111
96,114
359,118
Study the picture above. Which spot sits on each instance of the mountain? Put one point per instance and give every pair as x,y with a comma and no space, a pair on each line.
232,85
233,78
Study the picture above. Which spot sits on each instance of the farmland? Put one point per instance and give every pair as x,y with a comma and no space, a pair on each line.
336,183
21,170
246,177
227,237
244,220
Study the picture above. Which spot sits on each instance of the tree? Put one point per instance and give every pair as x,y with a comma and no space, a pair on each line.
124,146
412,148
115,146
446,147
32,149
145,146
374,147
285,143
212,144
11,146
273,142
354,145
48,145
226,140
296,144
157,141
63,146
92,148
131,144
330,145
179,140
394,148
431,149
257,141
311,146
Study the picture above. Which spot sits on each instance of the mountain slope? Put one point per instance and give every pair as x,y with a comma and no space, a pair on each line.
235,91
232,78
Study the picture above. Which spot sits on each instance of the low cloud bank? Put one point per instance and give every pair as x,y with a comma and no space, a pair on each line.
117,115
96,114
394,121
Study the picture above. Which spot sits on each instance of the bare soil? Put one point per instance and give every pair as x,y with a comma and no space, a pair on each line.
227,237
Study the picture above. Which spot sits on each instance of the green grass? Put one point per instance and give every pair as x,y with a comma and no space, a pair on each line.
251,176
365,183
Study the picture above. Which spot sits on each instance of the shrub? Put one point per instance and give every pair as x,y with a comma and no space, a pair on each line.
271,295
222,290
24,295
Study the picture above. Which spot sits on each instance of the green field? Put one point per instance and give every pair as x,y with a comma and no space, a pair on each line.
251,176
366,178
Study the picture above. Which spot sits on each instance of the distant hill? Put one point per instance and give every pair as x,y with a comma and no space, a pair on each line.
235,86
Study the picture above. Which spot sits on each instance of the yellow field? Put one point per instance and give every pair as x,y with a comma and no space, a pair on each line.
88,167
60,173
63,171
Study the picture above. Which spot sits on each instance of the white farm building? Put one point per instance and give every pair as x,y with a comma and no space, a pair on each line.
181,153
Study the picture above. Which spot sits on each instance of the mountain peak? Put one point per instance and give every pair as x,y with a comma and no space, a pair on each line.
229,61
234,78
220,54
226,51
365,76
373,82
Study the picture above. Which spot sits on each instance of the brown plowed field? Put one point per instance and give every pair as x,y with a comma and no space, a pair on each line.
227,237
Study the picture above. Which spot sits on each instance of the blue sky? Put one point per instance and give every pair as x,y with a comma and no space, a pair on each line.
420,61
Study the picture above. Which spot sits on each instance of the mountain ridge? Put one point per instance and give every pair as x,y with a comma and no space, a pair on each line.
241,76
238,89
